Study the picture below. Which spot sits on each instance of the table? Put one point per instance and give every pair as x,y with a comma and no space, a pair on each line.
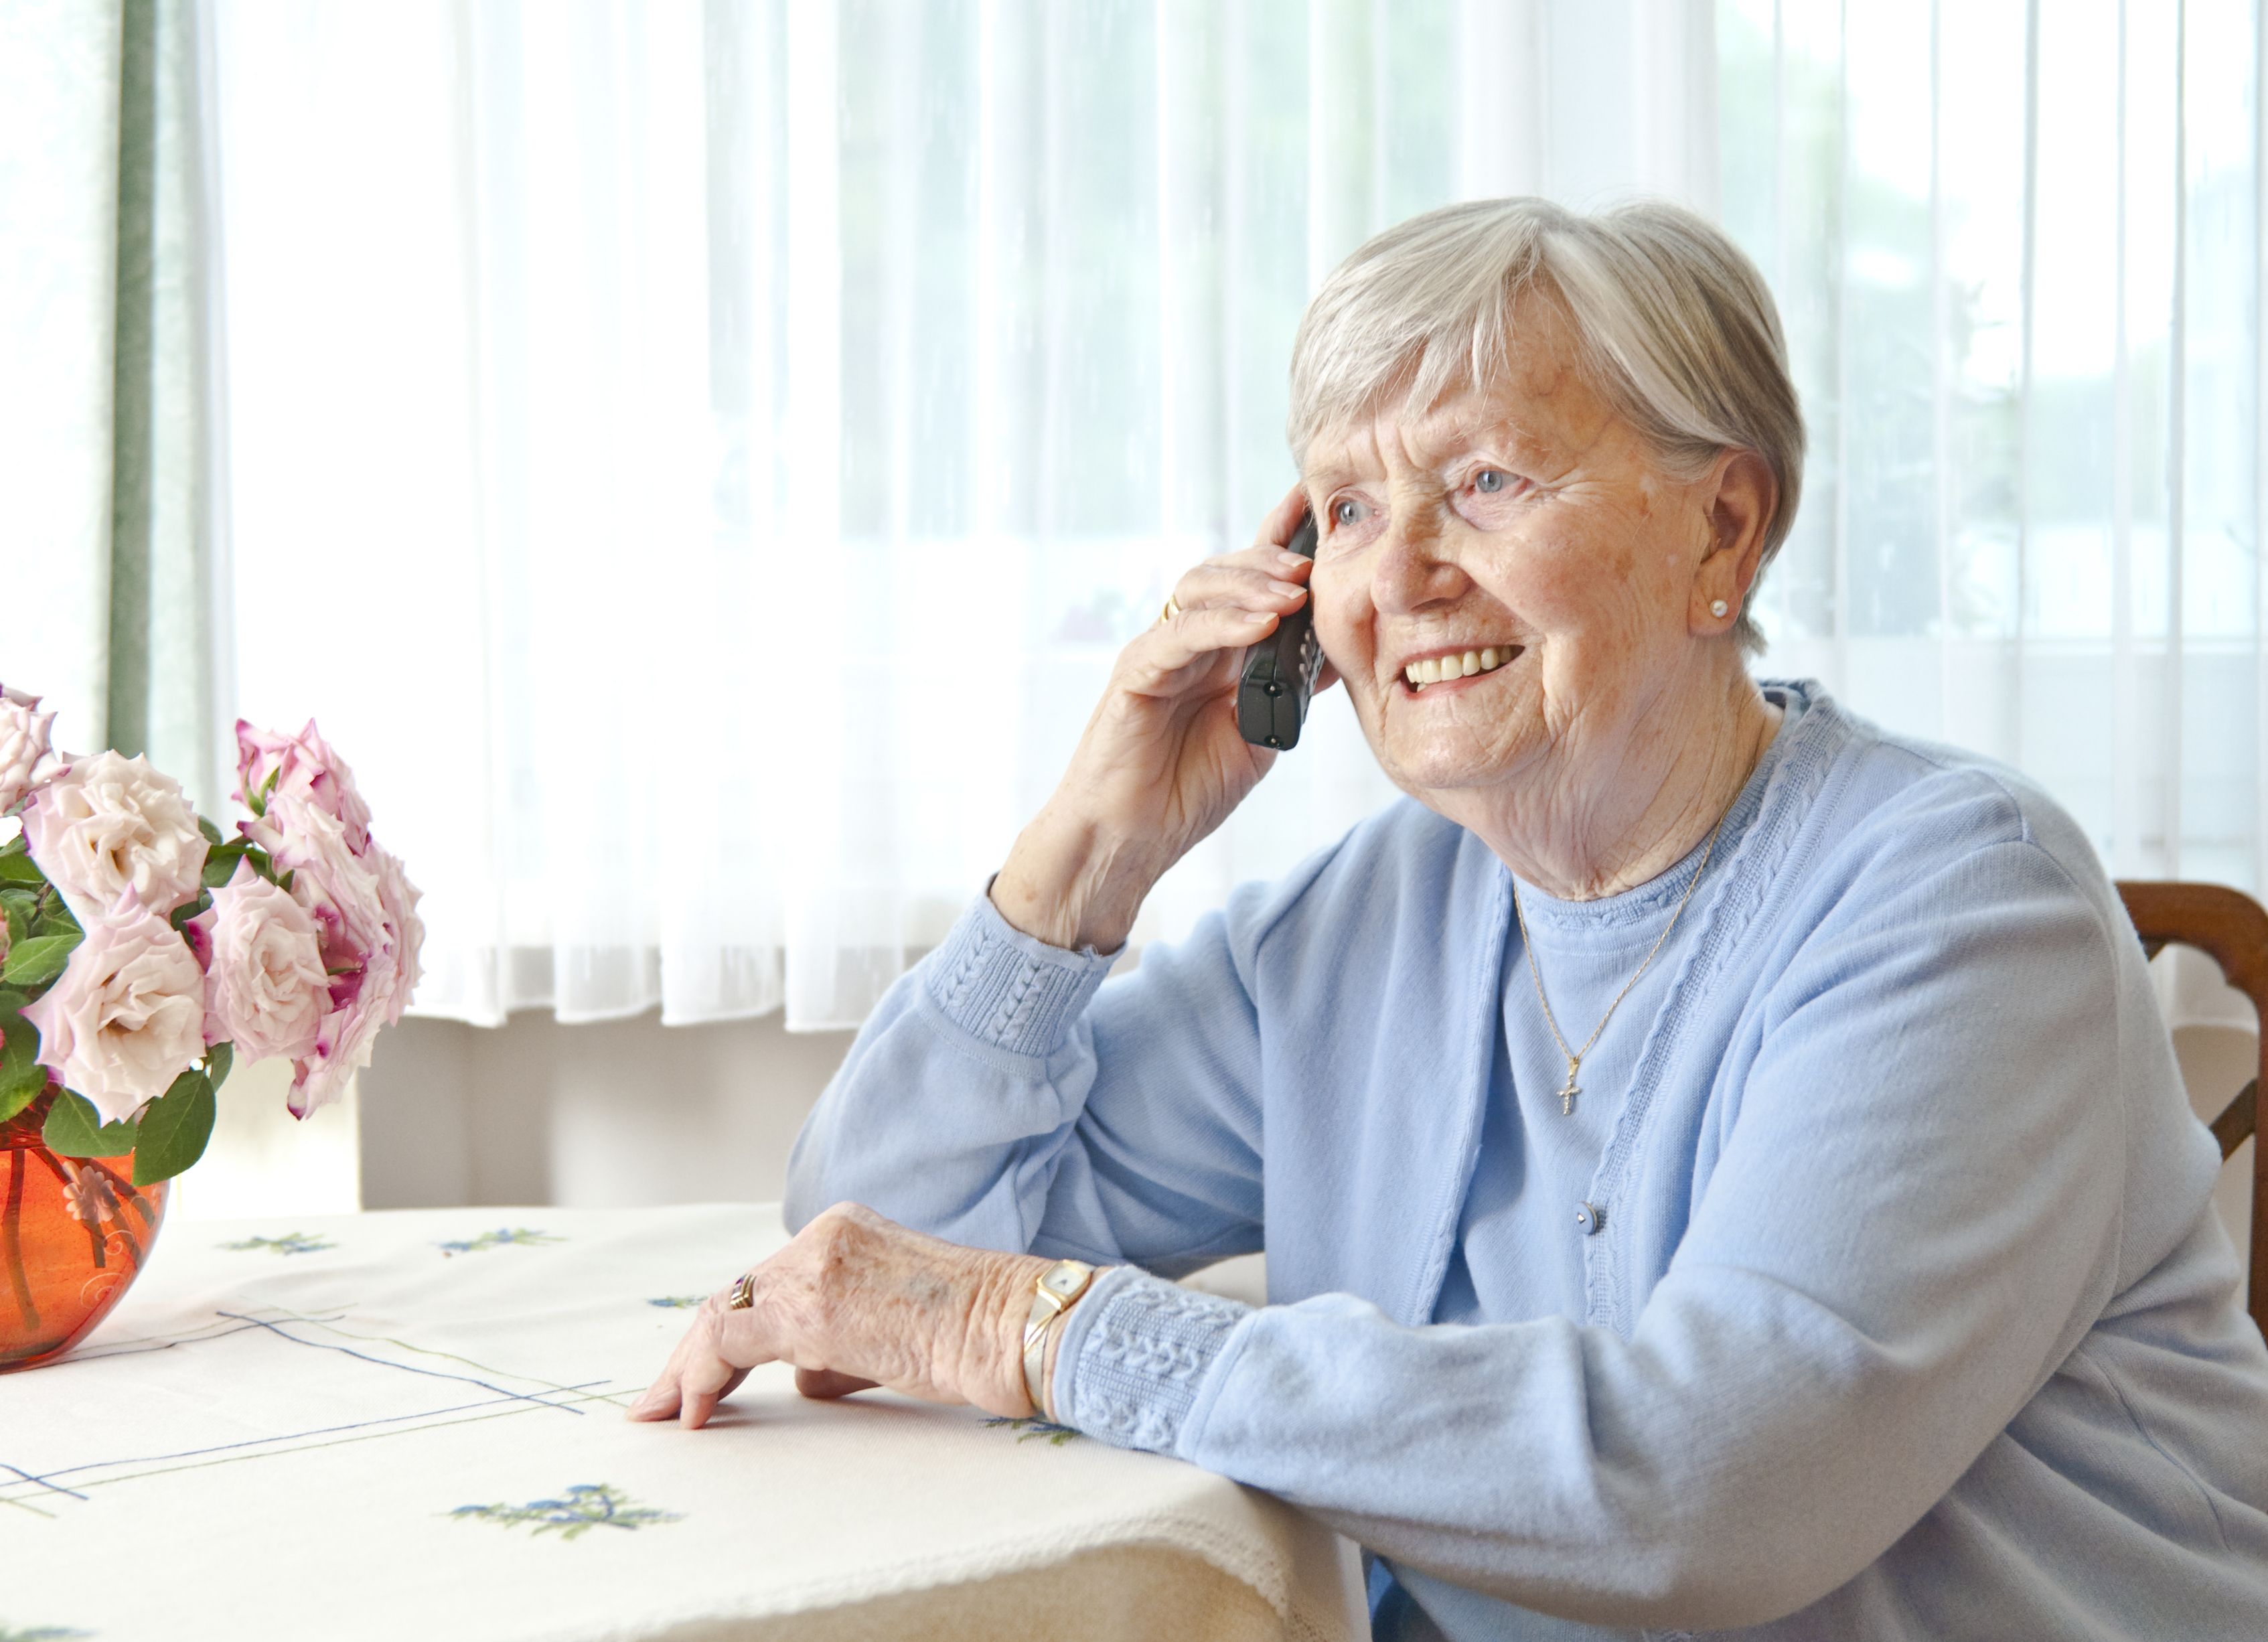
409,1423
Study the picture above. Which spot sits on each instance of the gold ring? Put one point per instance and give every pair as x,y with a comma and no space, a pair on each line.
1172,608
744,1293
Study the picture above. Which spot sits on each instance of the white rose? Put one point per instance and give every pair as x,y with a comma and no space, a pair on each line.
265,988
107,825
127,1016
23,744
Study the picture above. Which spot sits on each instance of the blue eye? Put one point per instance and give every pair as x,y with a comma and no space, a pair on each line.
1342,513
1488,482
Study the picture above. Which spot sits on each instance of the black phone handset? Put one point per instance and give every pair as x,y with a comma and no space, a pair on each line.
1279,672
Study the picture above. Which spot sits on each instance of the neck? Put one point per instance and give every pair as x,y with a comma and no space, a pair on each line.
1616,810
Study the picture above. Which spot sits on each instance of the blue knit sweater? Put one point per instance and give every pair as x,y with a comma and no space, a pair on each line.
1871,1291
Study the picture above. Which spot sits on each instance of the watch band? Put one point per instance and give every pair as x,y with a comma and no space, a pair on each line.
1054,1291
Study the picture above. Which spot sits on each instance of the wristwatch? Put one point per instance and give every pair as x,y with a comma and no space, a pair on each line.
1054,1291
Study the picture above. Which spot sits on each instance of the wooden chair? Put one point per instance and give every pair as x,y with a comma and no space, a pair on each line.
2231,928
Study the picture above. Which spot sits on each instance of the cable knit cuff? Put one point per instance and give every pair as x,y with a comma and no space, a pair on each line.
1005,988
1134,1353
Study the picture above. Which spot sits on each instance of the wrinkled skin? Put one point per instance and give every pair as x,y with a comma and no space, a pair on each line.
1531,518
1535,516
856,1301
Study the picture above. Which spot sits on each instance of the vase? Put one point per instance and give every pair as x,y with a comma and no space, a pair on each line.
74,1233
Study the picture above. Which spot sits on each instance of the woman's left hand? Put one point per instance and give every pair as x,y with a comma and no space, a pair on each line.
857,1301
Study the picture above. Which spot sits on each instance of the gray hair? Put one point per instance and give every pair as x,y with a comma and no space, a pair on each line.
1674,326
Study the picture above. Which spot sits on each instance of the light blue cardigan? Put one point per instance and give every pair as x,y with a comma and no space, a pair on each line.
1904,1312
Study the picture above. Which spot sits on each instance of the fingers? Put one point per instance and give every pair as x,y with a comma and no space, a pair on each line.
708,1382
701,1372
1228,603
1194,634
1234,600
1258,578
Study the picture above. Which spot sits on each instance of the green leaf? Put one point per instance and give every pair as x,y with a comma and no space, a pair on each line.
75,1129
55,920
174,1128
220,863
219,1058
19,868
20,907
212,833
17,845
18,1092
39,960
21,1075
188,909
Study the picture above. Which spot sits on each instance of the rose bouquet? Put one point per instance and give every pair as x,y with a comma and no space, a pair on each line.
141,952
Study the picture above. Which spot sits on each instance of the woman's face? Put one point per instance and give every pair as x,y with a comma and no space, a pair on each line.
1531,521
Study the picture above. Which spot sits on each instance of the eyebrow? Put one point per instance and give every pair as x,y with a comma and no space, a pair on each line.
1515,443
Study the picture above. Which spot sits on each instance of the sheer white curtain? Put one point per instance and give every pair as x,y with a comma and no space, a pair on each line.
721,448
2018,247
59,119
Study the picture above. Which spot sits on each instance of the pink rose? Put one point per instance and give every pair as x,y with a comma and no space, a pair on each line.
339,890
106,827
127,1016
265,988
304,770
317,828
23,744
405,931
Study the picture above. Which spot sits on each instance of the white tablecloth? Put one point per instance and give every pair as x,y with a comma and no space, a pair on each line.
409,1424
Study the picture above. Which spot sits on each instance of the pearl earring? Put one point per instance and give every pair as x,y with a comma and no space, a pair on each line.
1716,607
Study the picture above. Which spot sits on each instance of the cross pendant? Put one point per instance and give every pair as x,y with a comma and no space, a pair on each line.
1567,1095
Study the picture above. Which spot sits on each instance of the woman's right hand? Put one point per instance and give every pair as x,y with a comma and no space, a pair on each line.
1161,762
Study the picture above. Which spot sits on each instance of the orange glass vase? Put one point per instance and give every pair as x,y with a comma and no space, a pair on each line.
74,1233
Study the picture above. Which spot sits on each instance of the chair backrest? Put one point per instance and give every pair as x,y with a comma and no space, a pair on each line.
2231,928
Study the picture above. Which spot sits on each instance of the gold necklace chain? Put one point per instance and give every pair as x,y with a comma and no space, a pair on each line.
1575,1057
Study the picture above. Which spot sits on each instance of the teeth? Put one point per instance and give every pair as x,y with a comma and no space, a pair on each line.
1435,669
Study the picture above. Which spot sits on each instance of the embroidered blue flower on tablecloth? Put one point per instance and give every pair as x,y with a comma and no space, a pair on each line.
290,1243
586,1507
499,1238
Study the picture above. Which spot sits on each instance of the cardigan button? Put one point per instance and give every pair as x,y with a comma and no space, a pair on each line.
1590,1218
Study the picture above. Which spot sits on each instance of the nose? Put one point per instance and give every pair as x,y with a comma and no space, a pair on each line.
1416,568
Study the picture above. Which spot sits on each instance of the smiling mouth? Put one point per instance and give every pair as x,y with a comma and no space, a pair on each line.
1447,669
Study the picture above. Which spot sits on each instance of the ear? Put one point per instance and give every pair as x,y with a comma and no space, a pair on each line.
1740,499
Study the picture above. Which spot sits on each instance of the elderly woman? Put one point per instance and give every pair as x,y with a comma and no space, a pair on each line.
1720,1165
